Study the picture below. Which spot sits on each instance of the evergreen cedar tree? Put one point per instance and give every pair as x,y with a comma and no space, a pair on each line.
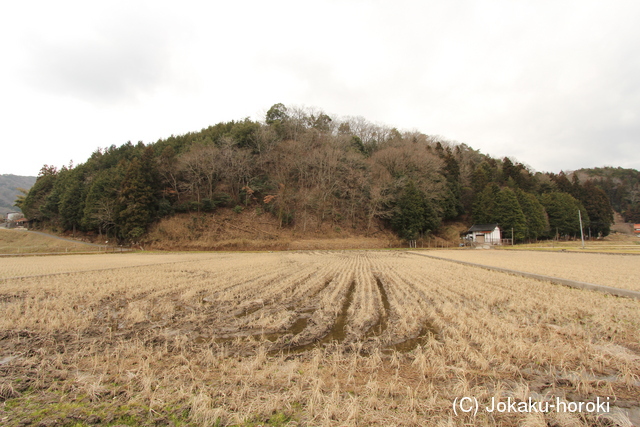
414,215
302,163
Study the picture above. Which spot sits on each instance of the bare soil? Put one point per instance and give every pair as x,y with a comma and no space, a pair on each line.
251,230
620,226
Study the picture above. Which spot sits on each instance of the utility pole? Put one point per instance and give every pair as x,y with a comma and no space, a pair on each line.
512,242
581,231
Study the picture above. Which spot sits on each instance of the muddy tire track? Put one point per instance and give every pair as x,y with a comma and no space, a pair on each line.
300,297
380,327
336,333
401,291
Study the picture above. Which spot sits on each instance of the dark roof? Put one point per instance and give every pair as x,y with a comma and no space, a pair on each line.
483,227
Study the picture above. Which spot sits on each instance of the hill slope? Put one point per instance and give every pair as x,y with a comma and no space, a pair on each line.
622,186
9,185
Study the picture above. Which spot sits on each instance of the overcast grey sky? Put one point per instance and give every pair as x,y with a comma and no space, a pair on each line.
554,84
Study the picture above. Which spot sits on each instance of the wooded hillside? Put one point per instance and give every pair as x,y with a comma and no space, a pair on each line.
305,168
622,186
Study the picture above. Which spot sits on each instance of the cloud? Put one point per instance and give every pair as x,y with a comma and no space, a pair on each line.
118,60
553,83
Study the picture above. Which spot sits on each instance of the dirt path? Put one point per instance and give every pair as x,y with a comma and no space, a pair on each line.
620,226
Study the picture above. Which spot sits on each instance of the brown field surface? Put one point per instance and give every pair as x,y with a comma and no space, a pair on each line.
39,266
304,338
19,241
613,244
614,270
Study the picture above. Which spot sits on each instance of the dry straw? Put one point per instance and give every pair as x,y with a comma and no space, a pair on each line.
238,338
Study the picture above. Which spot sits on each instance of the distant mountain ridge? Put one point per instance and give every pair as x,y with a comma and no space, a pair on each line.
9,185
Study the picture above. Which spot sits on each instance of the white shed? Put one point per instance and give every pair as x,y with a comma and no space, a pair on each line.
485,233
13,216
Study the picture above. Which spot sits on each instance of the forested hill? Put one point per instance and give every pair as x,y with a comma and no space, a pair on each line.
9,185
304,167
622,187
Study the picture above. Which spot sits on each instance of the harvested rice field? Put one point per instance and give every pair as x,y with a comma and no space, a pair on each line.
309,339
617,271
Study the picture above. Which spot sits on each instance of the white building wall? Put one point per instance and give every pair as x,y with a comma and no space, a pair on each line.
492,238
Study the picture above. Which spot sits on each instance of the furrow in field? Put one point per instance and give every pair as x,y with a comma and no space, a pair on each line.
275,291
334,302
409,308
278,315
295,282
301,303
368,313
274,312
406,315
379,328
337,332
